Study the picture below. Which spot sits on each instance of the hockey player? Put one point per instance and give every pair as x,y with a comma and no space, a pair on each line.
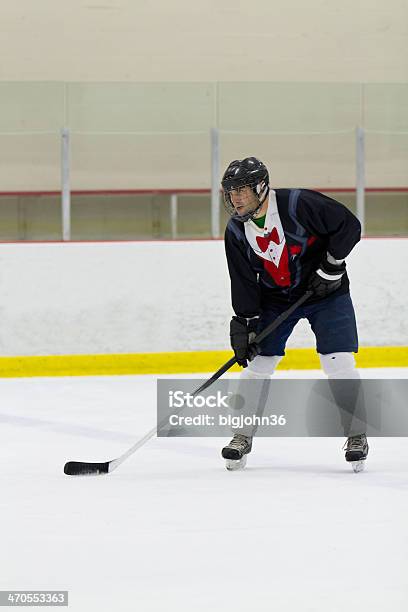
280,243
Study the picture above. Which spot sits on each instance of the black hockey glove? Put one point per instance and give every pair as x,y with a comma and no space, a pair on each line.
242,334
327,277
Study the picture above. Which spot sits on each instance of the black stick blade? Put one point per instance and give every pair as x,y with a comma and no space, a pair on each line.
82,468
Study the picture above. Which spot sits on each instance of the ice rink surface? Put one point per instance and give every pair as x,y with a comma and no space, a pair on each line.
171,529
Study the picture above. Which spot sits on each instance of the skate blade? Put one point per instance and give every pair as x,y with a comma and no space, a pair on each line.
358,466
233,465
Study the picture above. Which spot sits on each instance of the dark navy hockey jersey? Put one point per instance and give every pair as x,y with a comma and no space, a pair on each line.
273,265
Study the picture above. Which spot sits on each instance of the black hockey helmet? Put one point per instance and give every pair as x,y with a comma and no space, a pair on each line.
241,173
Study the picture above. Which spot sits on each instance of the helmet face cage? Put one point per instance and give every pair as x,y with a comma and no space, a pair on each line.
259,188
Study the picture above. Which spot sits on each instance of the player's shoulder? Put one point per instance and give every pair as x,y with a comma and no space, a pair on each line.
298,192
314,194
283,191
284,194
235,225
314,198
288,198
302,200
311,199
235,228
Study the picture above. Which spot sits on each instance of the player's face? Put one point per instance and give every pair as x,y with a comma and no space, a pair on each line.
244,200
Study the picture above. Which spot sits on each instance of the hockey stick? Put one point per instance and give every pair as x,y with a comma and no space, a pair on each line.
83,468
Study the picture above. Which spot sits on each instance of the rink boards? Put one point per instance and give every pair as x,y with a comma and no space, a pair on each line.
164,307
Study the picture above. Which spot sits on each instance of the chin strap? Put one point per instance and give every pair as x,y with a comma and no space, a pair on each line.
261,195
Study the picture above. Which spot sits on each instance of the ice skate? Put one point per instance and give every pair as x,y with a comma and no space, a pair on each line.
356,451
235,453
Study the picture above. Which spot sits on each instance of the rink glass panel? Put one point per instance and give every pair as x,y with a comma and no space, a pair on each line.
147,216
156,136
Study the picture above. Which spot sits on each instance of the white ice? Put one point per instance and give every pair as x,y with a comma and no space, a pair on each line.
171,529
